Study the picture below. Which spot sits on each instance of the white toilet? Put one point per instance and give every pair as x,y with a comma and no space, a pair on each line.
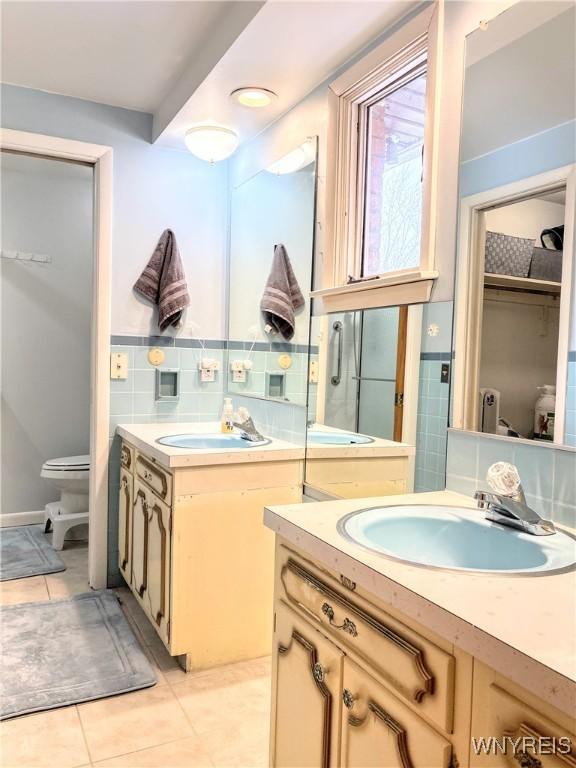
70,474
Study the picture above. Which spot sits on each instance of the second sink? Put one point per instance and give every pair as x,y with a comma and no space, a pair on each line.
211,442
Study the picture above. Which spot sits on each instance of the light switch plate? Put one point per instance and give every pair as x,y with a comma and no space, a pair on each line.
118,365
207,374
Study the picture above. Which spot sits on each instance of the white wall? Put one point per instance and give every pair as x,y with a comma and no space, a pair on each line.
154,188
525,219
46,209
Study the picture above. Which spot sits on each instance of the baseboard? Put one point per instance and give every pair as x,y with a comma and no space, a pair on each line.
12,519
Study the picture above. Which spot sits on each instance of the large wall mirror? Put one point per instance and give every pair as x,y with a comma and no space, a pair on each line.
515,363
378,401
271,253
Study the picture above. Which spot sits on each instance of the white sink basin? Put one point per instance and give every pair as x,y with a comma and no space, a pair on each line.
317,437
211,442
458,539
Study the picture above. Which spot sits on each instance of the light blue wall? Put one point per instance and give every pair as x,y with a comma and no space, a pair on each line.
433,398
530,156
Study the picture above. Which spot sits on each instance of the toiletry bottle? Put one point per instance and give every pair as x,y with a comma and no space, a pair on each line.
544,412
226,423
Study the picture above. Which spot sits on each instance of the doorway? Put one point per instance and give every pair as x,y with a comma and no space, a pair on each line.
99,158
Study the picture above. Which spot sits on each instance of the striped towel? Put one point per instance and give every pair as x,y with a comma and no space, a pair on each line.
282,296
163,281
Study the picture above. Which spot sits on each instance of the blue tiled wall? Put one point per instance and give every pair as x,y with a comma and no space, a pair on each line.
548,472
433,398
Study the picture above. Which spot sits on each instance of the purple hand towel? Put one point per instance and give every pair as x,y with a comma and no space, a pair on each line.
163,281
282,296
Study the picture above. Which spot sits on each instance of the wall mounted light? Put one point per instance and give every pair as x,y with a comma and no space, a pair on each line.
295,160
211,142
254,97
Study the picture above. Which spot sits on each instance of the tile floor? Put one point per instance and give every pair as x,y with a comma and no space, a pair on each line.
217,717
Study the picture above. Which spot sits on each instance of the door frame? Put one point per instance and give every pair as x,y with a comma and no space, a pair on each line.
100,157
470,285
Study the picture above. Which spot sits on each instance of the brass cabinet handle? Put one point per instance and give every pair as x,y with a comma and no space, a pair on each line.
347,625
319,672
124,483
348,698
527,761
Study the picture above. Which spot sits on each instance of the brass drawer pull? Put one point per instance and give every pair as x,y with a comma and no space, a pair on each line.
527,761
319,672
347,625
348,698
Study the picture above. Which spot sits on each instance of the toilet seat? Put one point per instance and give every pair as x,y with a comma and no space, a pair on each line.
68,464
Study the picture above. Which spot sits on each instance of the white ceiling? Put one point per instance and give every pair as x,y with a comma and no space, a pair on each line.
522,88
180,59
289,47
127,53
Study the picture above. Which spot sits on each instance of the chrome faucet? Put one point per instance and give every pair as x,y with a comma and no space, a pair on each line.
509,507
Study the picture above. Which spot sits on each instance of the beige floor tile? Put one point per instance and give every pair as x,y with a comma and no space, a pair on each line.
29,590
74,580
243,746
133,721
45,740
211,704
184,753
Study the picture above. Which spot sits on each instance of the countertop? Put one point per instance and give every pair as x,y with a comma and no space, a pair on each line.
379,447
523,627
144,437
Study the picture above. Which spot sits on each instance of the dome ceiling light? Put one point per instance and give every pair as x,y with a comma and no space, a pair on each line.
254,97
211,143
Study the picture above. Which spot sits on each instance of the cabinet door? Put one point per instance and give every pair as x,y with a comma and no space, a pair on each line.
306,700
140,539
158,566
379,731
125,503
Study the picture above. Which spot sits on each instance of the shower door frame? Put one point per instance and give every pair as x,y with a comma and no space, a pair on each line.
100,157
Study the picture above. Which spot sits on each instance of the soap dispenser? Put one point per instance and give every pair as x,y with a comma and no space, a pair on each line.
226,422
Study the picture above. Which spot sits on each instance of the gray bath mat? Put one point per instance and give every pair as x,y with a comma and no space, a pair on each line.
67,651
26,551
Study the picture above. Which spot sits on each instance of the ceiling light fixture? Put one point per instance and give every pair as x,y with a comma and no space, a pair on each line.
254,97
211,143
295,160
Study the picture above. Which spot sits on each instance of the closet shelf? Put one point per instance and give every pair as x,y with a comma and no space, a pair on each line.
511,283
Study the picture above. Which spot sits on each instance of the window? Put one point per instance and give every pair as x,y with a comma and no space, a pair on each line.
393,186
384,116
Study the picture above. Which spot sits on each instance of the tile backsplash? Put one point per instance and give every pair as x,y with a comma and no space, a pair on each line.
548,472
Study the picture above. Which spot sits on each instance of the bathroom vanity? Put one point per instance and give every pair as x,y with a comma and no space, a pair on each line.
192,547
379,663
363,466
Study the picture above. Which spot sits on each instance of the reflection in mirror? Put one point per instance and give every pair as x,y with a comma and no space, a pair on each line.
378,397
271,251
516,289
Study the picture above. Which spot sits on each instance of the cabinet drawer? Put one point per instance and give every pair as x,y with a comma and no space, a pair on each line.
378,731
127,457
154,477
507,732
414,667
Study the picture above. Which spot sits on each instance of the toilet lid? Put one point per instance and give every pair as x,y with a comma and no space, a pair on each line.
69,462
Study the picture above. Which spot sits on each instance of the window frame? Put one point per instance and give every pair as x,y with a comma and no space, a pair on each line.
413,48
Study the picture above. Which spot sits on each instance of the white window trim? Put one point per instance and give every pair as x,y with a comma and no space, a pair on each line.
470,283
417,40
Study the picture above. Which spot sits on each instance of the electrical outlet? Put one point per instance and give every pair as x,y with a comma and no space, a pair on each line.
208,368
445,373
313,372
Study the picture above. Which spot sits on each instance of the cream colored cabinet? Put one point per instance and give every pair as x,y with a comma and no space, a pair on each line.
151,528
378,731
513,729
125,503
196,555
308,685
